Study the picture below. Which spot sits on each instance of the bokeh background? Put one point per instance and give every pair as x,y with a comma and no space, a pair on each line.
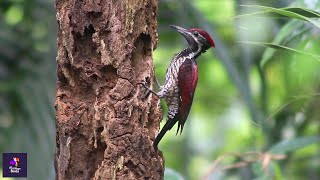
256,107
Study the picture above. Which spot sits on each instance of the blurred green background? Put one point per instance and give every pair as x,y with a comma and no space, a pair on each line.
257,90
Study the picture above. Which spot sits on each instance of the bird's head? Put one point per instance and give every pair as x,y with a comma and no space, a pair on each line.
198,39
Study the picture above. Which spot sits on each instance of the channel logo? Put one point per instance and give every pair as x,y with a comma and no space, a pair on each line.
14,165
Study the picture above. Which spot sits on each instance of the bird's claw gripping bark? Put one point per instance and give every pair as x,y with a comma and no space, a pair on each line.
147,92
144,84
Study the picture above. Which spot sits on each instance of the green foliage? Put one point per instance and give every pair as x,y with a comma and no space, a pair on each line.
291,12
14,15
257,89
293,144
281,47
290,32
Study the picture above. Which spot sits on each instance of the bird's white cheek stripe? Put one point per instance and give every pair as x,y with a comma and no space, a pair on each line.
193,54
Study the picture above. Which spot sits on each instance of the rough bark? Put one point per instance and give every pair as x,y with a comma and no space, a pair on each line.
105,124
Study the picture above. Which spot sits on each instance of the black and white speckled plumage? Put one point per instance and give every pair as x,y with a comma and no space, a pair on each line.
181,79
170,90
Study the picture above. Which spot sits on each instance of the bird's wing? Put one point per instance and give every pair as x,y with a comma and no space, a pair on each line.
187,83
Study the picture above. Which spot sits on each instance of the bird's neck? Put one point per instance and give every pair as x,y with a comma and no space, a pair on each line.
191,53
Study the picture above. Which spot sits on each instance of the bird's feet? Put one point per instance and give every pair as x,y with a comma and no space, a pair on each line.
146,85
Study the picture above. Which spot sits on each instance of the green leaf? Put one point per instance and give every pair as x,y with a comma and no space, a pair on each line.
288,33
277,171
303,11
170,174
273,171
281,47
296,13
257,169
294,144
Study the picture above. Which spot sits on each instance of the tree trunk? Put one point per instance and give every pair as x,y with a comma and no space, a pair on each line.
105,123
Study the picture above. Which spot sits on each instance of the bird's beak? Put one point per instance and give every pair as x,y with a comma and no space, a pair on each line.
181,30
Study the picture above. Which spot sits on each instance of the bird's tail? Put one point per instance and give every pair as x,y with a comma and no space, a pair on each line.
169,124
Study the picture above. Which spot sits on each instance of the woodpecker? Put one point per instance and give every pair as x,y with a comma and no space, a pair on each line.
181,79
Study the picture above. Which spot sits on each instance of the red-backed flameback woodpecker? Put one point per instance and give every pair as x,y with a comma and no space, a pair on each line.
181,79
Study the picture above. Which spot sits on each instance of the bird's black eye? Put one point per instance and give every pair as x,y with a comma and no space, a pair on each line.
196,33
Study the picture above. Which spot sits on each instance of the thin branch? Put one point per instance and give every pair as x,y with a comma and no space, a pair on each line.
263,157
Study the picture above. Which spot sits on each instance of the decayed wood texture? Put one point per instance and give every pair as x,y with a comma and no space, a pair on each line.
105,124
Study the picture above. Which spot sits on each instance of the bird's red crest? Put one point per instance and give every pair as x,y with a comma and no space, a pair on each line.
204,34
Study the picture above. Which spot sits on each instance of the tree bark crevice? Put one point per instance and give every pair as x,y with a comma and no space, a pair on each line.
105,124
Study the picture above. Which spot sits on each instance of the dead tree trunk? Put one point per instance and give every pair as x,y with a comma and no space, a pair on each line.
105,124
